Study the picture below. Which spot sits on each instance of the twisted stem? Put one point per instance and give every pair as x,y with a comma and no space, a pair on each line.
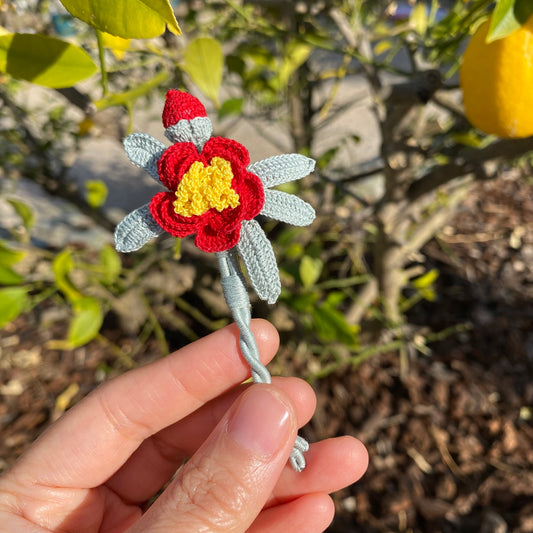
236,295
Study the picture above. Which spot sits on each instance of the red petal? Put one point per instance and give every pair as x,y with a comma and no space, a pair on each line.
251,195
228,149
162,209
210,240
179,106
176,161
226,220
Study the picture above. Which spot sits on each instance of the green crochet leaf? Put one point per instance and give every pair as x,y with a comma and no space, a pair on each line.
136,229
287,208
144,151
280,169
260,261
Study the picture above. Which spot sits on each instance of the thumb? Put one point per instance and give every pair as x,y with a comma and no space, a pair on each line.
224,486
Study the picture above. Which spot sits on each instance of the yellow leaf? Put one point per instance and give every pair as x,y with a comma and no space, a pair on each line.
204,61
85,126
382,47
117,45
64,399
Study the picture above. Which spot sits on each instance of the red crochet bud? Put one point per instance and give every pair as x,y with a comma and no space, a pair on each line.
181,106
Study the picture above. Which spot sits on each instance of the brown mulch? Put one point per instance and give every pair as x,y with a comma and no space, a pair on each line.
450,435
451,444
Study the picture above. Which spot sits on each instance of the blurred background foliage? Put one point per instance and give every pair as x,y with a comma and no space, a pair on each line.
420,254
351,279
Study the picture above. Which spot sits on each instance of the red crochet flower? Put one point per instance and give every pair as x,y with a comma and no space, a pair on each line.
211,193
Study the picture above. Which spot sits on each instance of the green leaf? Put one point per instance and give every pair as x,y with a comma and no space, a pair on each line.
129,19
503,21
303,303
330,325
8,256
63,264
419,18
335,298
96,193
424,285
204,62
310,270
110,263
428,294
470,138
523,9
507,17
233,106
44,60
235,64
87,321
382,46
13,300
9,276
426,280
325,159
296,55
25,212
295,250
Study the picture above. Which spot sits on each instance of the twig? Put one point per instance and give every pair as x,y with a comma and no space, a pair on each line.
362,175
341,187
131,95
364,300
469,161
356,360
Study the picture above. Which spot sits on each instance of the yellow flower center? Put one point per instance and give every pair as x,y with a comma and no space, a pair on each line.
202,188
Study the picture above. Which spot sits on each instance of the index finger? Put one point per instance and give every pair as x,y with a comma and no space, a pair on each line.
94,439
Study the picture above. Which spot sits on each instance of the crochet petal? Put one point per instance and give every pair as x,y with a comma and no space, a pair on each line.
144,151
226,220
282,168
136,229
251,194
162,210
210,240
228,149
197,131
287,208
258,256
176,161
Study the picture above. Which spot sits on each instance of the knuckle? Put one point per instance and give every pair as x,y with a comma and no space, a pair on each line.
211,495
121,421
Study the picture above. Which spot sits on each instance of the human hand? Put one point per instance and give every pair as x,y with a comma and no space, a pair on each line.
96,467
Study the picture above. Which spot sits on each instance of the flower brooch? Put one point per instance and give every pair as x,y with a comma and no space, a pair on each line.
214,193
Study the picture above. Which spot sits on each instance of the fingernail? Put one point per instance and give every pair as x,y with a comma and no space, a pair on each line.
261,423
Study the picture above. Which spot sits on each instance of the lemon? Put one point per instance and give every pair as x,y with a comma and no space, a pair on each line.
497,82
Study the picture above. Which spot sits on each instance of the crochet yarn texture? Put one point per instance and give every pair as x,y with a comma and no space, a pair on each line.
210,193
214,193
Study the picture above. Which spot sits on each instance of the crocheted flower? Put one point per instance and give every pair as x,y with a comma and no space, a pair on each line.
213,192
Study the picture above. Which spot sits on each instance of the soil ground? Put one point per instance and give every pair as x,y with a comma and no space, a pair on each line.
450,433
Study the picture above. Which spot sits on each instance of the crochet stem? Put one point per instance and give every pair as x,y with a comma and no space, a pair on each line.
236,295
